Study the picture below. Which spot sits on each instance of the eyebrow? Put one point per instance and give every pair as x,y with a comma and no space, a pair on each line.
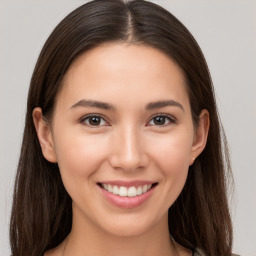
163,103
93,104
107,106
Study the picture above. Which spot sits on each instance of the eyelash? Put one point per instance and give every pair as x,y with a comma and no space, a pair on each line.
171,120
87,118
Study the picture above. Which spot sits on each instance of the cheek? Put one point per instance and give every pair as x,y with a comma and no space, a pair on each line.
78,155
174,164
172,152
172,157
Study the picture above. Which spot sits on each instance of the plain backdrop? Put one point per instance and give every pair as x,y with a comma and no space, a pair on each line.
226,32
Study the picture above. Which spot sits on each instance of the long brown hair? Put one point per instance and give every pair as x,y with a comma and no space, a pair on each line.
42,212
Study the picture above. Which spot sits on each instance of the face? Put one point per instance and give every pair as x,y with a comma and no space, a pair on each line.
123,137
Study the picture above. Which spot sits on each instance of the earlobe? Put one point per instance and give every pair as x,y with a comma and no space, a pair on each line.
44,135
201,135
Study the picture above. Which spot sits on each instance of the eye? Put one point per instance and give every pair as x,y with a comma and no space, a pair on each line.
93,120
161,120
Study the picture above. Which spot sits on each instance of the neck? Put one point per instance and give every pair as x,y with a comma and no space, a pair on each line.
88,239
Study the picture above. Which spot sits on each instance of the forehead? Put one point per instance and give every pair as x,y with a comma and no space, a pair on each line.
125,70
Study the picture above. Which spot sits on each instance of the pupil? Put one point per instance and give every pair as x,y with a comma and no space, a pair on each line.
94,120
159,120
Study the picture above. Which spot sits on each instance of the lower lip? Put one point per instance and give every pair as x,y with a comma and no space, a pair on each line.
127,202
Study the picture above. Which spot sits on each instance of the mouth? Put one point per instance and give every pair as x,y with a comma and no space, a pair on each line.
127,191
127,195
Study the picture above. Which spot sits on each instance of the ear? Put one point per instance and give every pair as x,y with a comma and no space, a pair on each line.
201,134
44,135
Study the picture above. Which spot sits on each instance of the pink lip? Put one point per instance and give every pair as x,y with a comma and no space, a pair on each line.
126,202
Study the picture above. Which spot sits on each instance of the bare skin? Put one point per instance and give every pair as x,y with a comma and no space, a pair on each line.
123,114
60,250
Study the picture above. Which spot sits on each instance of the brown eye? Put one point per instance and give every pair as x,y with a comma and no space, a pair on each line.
161,120
94,120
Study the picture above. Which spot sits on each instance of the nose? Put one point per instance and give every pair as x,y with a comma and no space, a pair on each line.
128,151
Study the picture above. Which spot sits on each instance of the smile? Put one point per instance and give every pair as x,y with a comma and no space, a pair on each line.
127,191
127,194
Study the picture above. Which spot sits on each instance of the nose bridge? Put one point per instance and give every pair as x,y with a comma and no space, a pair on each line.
128,152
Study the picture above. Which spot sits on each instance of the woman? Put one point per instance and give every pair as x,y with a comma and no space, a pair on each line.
123,151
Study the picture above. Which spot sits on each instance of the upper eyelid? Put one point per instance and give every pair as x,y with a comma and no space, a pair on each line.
92,114
163,115
83,118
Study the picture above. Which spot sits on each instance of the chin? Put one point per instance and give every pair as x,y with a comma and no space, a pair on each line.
127,231
129,226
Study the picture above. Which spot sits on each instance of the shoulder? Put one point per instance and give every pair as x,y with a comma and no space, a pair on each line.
54,252
199,252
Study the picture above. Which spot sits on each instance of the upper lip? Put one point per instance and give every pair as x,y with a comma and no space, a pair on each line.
124,183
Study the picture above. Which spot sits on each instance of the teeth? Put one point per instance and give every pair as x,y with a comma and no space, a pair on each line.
144,189
132,192
139,190
115,190
124,191
110,188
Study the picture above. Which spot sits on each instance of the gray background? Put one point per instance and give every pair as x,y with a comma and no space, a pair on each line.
226,31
